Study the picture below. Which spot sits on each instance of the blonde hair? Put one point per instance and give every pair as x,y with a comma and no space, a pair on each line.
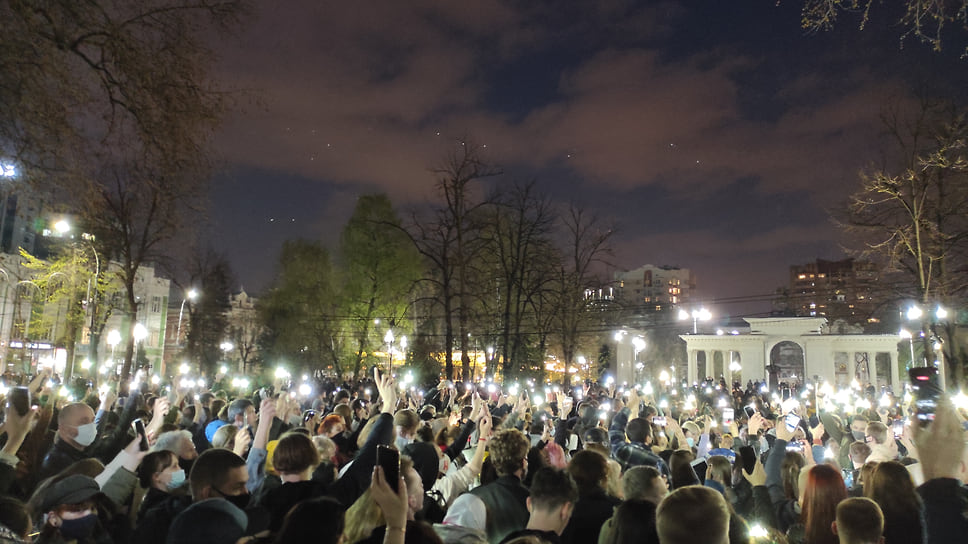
365,515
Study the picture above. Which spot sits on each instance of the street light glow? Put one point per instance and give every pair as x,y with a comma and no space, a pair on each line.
914,313
941,313
388,337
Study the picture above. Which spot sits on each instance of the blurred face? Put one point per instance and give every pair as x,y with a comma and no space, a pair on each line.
163,478
415,490
727,442
251,418
186,450
858,426
78,415
235,483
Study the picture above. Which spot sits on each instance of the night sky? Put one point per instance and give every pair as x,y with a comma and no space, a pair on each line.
714,135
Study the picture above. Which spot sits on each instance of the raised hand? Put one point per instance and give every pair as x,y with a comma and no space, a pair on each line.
759,474
393,504
242,442
386,385
756,424
941,444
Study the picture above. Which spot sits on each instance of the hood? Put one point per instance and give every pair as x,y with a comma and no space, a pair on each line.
455,534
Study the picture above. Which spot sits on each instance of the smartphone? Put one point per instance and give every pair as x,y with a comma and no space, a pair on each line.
659,420
927,392
750,410
700,466
898,429
795,446
727,417
389,460
748,457
139,428
310,414
19,398
792,421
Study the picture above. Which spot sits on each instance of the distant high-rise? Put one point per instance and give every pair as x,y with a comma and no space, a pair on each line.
843,289
653,288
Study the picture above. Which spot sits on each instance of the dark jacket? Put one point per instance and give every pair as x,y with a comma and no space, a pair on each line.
631,454
62,455
945,504
507,508
787,511
154,524
153,497
590,513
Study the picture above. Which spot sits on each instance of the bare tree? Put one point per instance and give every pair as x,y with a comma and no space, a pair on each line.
586,245
925,20
913,215
111,103
451,242
518,242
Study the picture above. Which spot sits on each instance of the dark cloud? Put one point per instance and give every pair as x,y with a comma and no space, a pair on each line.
617,100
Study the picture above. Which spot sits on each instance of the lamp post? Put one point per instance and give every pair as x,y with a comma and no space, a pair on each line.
226,347
114,338
388,338
638,344
140,332
698,315
904,333
190,295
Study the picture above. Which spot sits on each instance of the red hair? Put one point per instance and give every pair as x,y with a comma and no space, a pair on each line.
825,489
329,422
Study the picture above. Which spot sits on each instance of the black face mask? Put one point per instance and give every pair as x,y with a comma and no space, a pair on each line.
76,529
240,501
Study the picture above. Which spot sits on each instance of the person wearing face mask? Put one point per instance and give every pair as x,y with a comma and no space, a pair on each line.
216,474
77,438
844,435
70,512
159,473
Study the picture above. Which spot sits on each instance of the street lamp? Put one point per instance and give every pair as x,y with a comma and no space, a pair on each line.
388,338
190,295
904,333
701,314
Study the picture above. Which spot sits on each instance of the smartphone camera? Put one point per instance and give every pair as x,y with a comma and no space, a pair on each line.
927,393
659,421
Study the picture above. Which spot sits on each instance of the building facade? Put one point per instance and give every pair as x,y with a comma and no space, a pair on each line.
836,290
653,288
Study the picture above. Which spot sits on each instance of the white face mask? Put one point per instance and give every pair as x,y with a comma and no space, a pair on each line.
86,434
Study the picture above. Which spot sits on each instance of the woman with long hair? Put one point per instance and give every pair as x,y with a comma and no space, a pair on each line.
681,471
892,488
824,490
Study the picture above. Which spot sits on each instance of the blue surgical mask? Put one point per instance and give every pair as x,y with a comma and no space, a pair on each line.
691,441
177,479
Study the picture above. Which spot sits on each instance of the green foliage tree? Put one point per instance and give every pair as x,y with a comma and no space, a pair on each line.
380,267
73,283
301,311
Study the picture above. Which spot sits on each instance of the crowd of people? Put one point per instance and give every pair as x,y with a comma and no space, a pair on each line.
374,461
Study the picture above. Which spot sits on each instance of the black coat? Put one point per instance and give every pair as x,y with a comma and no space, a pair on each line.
590,513
507,508
945,504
